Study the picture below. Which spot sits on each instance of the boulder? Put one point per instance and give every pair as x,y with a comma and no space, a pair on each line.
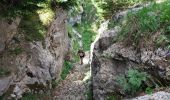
161,95
5,82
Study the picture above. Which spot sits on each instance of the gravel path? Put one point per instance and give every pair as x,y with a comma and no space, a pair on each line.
77,83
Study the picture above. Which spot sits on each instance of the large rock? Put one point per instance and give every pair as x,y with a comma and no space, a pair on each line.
8,28
40,61
111,59
43,62
5,82
155,96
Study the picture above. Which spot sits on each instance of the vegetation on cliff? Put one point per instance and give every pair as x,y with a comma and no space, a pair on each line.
140,27
148,27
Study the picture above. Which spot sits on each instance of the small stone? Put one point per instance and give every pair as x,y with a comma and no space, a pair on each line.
13,95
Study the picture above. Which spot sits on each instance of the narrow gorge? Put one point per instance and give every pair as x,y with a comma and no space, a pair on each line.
124,45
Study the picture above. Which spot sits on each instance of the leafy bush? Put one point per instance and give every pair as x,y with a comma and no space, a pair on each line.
12,8
110,98
89,94
66,69
67,4
55,83
29,96
107,8
16,51
149,90
37,96
132,81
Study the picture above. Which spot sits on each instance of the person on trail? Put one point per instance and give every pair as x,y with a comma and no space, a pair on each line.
167,56
82,55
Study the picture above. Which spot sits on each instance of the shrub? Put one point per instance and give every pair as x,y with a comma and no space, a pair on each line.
89,94
16,51
55,83
12,8
30,96
132,81
110,98
149,90
107,8
140,26
67,4
66,69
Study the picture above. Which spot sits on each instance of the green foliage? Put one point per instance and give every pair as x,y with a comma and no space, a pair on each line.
4,72
107,8
163,40
33,27
89,95
89,24
66,69
2,97
87,35
36,16
38,96
111,98
67,4
30,96
16,51
55,83
149,90
12,8
132,81
140,26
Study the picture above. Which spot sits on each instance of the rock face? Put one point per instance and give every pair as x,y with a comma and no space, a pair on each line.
156,96
8,28
40,61
112,59
4,84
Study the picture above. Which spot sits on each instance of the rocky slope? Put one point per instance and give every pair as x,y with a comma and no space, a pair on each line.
77,83
112,59
34,62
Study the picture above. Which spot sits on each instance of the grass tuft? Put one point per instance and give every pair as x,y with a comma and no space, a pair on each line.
139,27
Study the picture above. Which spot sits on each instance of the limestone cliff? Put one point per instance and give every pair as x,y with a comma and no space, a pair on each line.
111,59
37,61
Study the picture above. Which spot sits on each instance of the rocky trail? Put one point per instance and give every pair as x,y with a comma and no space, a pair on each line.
76,84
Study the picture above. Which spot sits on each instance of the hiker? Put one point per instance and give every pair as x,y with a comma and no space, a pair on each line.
167,56
82,55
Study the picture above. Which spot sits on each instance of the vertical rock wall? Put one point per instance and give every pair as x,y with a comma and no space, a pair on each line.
40,61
